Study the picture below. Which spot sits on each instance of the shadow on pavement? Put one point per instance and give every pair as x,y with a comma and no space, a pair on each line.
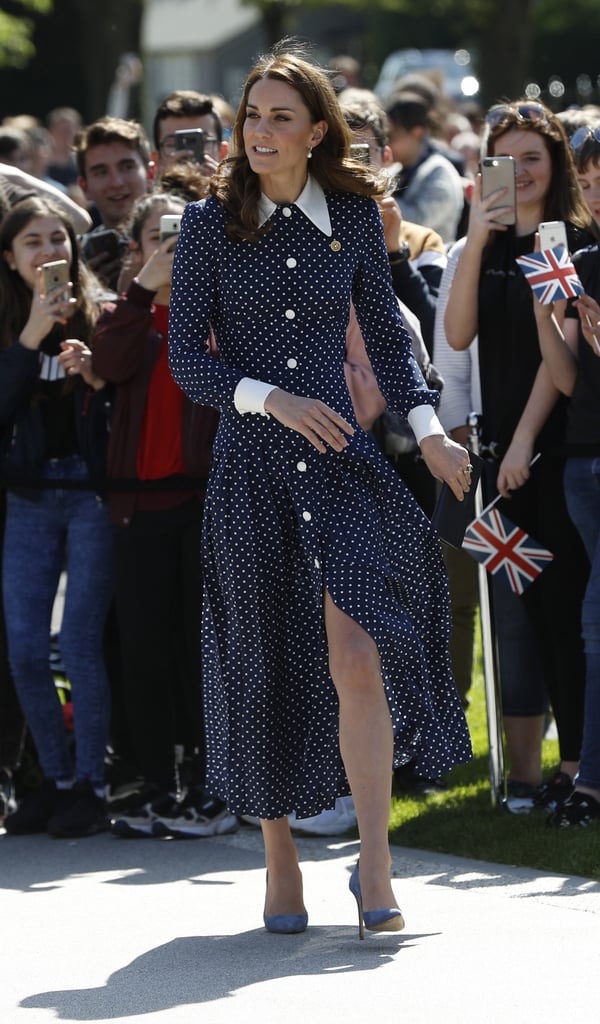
195,970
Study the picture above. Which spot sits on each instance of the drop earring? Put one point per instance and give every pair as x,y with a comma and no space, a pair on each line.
309,154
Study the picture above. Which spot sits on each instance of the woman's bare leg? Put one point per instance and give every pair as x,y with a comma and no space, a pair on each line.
284,891
366,745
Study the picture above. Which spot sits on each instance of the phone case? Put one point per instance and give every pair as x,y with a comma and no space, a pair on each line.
192,141
169,226
499,172
102,242
552,233
451,516
55,274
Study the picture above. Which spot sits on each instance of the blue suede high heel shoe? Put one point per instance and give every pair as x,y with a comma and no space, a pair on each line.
386,919
285,924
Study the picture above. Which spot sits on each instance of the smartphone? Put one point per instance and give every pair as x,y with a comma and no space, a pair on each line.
552,233
360,151
169,226
191,140
106,241
55,275
499,172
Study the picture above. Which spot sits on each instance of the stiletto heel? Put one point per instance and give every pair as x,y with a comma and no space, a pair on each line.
355,890
385,919
285,924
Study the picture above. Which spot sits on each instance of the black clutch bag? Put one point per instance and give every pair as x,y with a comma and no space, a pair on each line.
450,516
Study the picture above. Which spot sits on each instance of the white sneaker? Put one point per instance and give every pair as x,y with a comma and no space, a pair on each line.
250,819
332,822
328,823
195,817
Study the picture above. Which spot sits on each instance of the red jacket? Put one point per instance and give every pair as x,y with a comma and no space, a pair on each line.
125,350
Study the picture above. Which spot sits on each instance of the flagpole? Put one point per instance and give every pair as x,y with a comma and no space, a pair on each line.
491,674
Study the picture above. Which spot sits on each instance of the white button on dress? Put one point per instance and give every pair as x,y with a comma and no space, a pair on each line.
272,528
290,314
301,467
286,211
291,263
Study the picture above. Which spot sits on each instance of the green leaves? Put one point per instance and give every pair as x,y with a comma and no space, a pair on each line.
16,45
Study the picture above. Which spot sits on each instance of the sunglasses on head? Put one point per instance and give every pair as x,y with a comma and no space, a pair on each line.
587,133
521,113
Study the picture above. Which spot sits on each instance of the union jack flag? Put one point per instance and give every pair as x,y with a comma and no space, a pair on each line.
506,549
551,274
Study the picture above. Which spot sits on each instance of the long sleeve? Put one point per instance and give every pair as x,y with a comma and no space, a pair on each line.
194,309
121,335
386,340
460,369
18,374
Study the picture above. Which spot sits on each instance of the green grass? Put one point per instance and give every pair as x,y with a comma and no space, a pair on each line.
462,821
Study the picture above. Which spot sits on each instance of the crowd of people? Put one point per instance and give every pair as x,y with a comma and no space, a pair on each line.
218,428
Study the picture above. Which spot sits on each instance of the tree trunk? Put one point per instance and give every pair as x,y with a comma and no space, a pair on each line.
107,30
506,46
278,20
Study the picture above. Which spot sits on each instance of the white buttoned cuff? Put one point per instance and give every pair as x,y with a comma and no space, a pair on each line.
424,422
250,395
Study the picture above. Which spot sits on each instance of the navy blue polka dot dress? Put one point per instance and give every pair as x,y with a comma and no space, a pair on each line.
282,522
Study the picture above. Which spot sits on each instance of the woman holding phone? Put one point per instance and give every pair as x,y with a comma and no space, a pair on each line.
53,413
161,444
523,414
572,354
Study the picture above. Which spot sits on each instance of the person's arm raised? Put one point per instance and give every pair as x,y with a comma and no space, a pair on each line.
462,309
79,217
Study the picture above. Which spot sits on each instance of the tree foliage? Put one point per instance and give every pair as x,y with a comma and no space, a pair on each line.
503,32
16,30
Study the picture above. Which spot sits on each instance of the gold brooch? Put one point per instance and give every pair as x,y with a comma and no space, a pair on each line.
335,245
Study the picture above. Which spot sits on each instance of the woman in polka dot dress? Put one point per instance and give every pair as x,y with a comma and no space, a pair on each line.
326,622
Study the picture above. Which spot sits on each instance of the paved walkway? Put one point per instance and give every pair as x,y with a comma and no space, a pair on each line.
162,931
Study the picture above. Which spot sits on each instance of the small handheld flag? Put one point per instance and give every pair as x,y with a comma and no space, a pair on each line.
506,549
551,274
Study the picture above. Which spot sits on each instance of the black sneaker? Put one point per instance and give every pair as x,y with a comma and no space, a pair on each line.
136,821
578,809
8,803
551,794
124,784
197,816
36,808
85,814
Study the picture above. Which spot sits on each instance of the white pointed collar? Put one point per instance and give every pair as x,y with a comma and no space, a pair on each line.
311,201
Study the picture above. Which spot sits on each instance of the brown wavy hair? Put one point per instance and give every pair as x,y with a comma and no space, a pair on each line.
564,199
16,295
236,186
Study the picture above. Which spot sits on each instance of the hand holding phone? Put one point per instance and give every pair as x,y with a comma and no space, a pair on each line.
52,303
498,172
54,275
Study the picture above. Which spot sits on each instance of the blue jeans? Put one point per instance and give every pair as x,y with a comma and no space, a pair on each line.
582,490
522,680
63,529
